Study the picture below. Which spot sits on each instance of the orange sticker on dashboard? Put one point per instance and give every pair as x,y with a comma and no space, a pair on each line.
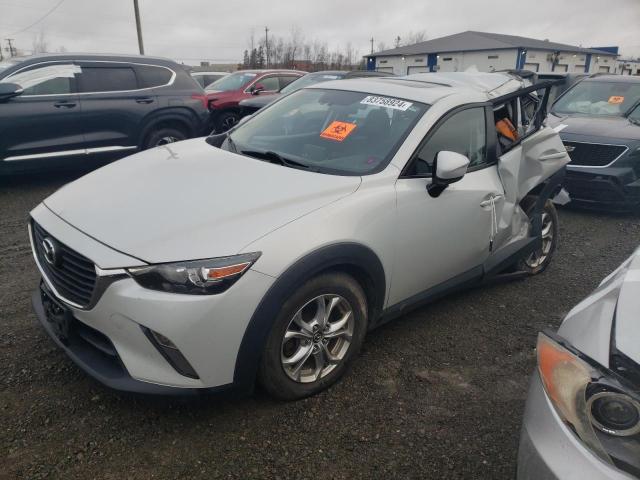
338,131
616,100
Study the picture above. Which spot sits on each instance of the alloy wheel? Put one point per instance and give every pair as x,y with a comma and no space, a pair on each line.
166,140
317,338
538,257
229,122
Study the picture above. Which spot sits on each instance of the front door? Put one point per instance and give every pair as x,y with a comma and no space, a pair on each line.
44,121
445,238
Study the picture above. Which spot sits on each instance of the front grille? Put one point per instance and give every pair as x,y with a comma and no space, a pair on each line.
593,154
72,275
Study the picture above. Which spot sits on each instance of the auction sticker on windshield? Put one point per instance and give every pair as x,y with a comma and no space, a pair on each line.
387,102
338,131
616,99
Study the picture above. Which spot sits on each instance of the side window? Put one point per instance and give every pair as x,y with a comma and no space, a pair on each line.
149,76
286,80
506,120
464,133
46,80
271,84
107,79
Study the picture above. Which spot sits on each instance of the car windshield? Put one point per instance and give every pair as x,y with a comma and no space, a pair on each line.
598,98
329,131
310,79
235,81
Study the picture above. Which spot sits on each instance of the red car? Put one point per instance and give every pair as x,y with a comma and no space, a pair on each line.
225,94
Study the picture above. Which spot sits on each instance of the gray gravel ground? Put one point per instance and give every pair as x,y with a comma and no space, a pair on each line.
437,394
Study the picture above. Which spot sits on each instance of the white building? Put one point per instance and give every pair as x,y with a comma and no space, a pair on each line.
629,67
488,52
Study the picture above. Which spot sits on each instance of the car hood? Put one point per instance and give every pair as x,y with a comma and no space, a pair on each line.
613,305
605,127
190,200
259,101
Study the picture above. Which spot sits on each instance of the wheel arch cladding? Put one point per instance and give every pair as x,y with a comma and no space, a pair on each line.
179,120
351,258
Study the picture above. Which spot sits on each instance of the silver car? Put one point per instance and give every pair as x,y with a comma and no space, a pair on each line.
582,419
268,252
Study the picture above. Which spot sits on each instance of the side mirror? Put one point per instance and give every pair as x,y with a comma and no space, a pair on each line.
448,168
257,88
9,90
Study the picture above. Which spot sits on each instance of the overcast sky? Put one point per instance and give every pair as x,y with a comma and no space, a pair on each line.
194,30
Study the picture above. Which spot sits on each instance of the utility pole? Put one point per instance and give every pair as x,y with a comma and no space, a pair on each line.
138,27
266,43
11,52
1,56
371,45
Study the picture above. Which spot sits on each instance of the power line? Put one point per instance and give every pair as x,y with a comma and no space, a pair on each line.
40,19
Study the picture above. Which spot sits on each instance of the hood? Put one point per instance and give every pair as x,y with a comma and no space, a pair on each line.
190,200
593,126
627,322
259,101
220,94
613,305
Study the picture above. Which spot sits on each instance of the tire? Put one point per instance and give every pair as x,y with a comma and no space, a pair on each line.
163,136
539,260
299,366
225,121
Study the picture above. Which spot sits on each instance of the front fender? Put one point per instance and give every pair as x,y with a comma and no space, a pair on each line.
336,256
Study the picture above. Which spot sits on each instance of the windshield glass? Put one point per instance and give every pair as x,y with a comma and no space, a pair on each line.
329,131
598,98
235,81
309,79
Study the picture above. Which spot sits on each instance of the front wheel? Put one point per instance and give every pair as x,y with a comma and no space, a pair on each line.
225,121
540,259
316,335
163,136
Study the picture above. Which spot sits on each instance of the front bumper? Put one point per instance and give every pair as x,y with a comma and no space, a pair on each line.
208,330
549,450
610,187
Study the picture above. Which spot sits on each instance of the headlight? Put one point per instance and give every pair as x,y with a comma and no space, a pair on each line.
198,277
593,401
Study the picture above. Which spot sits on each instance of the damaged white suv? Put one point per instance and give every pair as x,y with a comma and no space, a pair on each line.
268,252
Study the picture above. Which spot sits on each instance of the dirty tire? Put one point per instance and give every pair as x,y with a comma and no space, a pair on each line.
272,375
550,214
161,136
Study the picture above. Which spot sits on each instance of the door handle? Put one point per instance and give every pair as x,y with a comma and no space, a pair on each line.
490,201
144,100
64,104
553,156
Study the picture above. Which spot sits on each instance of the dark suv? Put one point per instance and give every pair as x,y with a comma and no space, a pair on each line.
63,107
599,122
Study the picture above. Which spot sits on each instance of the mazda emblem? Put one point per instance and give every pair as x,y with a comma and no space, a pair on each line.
50,252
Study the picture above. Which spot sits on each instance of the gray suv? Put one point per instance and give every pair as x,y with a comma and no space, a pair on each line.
599,123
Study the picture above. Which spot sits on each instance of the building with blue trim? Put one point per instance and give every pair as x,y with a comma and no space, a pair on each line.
492,51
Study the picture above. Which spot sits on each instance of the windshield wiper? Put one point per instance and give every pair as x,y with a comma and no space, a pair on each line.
273,157
635,121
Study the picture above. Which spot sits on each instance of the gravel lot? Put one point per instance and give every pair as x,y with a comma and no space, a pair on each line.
437,394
